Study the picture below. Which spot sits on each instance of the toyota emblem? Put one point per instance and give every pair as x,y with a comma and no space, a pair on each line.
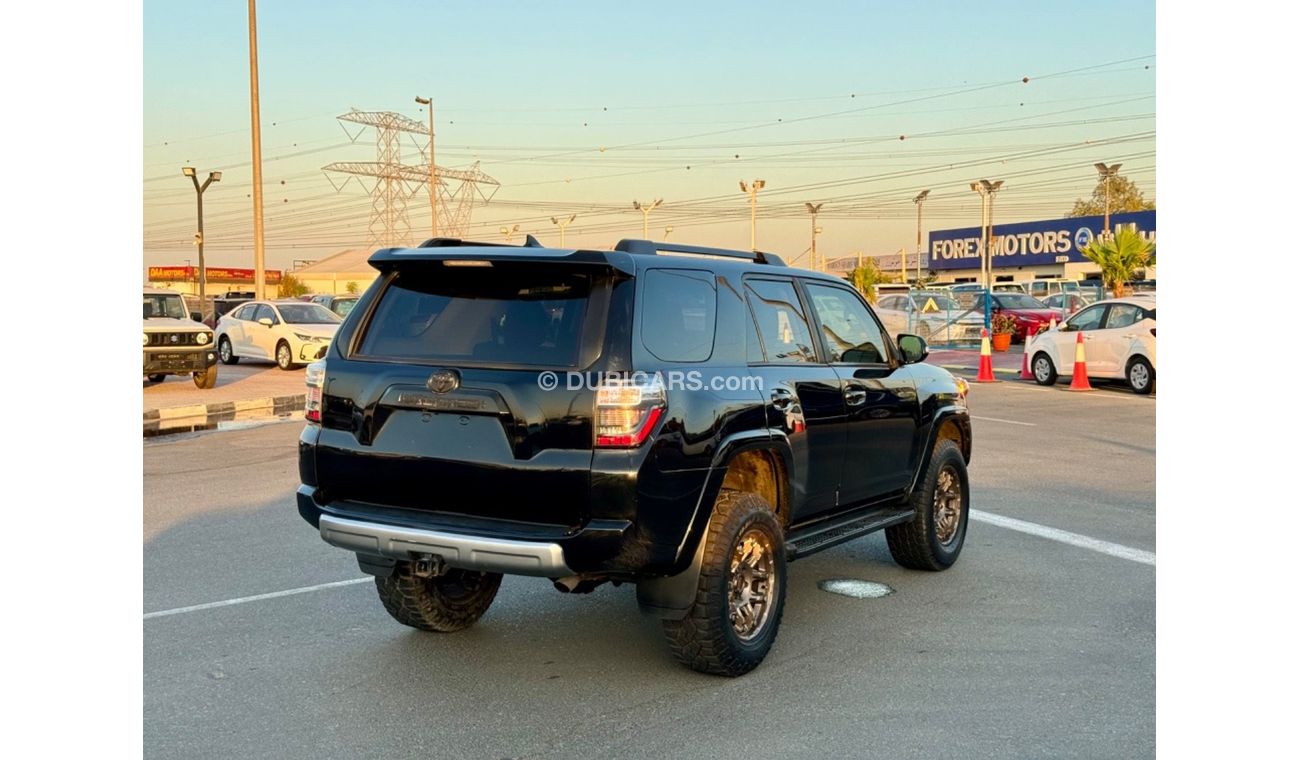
444,381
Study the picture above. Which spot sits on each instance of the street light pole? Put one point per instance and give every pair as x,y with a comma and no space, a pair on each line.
919,200
188,171
509,232
752,190
259,232
987,189
667,231
433,177
812,210
645,209
562,225
1106,173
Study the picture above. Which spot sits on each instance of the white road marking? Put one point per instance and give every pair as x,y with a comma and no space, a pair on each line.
1009,422
255,598
1010,523
1066,537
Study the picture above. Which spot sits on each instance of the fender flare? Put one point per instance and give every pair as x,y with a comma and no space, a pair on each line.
670,597
961,417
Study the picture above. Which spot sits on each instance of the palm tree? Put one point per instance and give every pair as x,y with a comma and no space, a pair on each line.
866,277
1119,255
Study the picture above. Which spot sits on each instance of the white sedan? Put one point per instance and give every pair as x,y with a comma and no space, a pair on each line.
289,333
1119,342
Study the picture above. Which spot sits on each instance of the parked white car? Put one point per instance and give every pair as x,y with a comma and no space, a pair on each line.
289,333
931,314
1119,341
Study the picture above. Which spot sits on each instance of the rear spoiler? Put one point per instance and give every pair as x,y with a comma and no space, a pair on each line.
468,253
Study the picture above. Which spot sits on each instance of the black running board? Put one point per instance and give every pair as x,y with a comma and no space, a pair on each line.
824,535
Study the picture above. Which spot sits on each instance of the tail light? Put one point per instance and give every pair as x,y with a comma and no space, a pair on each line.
315,389
627,410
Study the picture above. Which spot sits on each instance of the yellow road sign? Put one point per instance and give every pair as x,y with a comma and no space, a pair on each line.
930,306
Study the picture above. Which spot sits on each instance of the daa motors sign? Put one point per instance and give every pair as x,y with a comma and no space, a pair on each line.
220,275
1056,241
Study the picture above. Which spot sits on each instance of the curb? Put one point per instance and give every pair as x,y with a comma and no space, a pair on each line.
224,408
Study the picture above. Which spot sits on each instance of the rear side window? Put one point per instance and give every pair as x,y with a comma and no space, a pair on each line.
529,316
1123,315
780,321
678,314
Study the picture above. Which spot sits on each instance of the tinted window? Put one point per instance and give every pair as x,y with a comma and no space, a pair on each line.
1013,301
265,312
1088,319
1123,315
851,334
678,314
519,316
244,312
781,325
343,306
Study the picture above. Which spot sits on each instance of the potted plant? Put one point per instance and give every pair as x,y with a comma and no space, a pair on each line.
1003,328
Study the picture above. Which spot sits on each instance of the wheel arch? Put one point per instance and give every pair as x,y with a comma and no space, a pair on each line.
753,461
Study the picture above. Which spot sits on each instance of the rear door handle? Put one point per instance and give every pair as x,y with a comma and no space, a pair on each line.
855,396
782,398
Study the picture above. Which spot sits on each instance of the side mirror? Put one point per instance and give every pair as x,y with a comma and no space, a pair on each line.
913,347
1066,327
197,317
265,321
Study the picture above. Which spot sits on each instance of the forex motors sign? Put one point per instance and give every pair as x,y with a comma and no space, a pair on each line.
1056,241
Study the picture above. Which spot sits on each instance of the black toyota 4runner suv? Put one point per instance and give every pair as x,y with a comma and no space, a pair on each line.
684,419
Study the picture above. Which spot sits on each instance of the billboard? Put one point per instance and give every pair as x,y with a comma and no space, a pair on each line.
1056,241
220,275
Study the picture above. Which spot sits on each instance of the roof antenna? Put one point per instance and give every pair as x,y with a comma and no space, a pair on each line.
532,242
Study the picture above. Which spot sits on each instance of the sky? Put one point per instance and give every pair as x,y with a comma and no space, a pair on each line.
582,107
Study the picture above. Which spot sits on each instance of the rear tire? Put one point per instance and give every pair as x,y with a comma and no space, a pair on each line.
1043,368
934,537
157,378
206,379
1141,376
226,351
741,593
447,603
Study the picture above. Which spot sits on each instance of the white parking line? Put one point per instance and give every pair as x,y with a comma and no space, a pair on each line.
1011,523
255,598
1009,422
1066,537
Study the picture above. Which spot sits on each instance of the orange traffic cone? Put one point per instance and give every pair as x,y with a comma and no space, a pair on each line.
1052,326
986,360
1080,380
1025,374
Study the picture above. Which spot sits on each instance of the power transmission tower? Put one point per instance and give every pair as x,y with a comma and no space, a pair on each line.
395,182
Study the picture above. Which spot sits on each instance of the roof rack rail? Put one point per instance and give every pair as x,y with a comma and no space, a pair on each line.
651,247
443,242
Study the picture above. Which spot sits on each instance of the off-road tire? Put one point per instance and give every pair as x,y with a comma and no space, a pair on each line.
916,545
450,602
1045,374
157,378
206,379
283,352
1150,375
226,351
704,640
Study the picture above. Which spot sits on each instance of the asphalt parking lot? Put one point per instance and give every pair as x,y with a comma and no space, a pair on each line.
1040,642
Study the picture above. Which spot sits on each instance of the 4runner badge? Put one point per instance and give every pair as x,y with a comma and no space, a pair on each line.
444,381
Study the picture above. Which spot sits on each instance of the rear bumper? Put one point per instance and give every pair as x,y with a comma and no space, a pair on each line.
497,555
500,546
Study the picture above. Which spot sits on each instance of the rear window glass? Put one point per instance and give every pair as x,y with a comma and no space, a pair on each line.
678,314
526,316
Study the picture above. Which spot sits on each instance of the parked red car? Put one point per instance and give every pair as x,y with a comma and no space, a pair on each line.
1029,313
